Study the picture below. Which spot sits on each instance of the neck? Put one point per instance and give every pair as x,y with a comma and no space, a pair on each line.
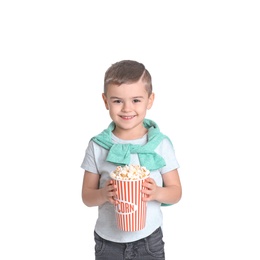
129,134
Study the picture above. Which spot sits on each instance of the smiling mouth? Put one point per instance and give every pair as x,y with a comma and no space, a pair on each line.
127,117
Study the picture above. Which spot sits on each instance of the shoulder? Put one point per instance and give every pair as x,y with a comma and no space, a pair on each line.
165,147
166,142
94,147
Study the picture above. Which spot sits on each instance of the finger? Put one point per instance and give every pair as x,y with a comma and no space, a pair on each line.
146,192
148,185
150,180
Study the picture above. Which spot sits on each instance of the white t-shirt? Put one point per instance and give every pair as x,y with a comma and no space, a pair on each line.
95,162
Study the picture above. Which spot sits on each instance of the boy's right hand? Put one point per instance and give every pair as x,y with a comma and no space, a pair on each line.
109,192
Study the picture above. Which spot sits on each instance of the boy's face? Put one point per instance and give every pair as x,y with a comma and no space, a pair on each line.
127,105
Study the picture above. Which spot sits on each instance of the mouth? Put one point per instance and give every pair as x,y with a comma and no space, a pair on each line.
127,117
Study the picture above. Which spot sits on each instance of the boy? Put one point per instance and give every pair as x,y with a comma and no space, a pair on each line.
129,139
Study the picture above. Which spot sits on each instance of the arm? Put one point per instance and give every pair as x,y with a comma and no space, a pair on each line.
92,195
171,192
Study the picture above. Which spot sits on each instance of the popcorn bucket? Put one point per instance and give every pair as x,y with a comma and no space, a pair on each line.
130,209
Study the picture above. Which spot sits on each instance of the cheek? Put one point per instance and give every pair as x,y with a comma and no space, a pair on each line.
112,108
147,106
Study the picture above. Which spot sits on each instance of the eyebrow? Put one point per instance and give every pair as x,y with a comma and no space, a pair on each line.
122,98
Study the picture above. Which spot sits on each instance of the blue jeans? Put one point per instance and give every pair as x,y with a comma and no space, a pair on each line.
149,248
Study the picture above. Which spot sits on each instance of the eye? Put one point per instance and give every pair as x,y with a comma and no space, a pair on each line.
136,100
117,101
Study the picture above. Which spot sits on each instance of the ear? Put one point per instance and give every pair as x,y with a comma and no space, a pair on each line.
150,101
105,100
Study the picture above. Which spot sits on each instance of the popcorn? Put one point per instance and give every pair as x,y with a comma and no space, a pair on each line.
130,172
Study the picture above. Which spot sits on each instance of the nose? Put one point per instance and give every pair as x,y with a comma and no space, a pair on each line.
126,107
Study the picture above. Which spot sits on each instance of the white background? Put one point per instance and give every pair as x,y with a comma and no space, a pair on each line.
205,62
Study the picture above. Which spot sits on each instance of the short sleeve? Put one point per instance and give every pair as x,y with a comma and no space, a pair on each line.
166,150
89,162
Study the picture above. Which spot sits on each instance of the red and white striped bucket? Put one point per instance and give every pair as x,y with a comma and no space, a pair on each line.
130,209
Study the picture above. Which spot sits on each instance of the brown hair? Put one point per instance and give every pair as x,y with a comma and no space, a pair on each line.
127,71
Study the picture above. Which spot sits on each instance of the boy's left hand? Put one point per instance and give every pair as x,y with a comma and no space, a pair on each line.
149,189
